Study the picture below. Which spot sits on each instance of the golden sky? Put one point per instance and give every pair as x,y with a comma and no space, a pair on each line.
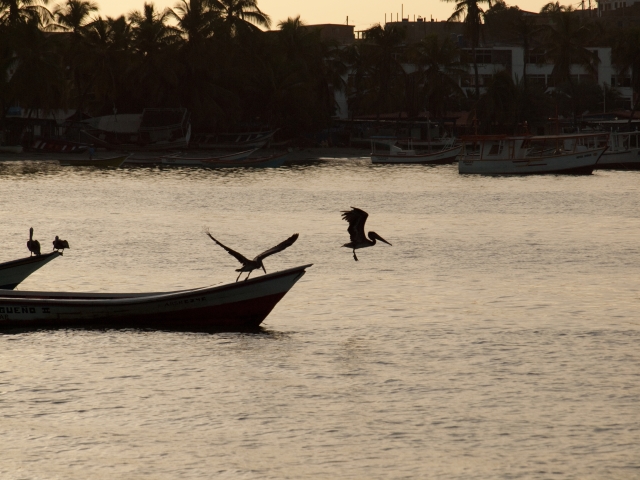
361,13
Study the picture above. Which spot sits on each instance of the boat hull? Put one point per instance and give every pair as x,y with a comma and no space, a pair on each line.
273,161
203,162
233,307
625,160
114,162
437,158
14,272
579,163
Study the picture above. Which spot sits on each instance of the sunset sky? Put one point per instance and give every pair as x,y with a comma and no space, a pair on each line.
361,13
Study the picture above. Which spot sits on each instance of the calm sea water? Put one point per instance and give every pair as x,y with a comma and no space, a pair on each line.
499,337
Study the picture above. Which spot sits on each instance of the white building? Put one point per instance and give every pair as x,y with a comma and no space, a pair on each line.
492,60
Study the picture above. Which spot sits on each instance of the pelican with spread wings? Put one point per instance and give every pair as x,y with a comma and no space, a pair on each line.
256,263
357,219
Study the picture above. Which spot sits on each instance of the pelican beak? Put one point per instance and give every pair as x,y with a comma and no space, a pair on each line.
382,239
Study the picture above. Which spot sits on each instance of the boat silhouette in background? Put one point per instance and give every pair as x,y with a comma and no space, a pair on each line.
235,306
113,162
393,153
14,272
575,154
153,129
238,140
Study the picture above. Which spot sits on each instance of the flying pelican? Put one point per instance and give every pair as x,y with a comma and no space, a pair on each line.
256,263
33,245
60,244
357,219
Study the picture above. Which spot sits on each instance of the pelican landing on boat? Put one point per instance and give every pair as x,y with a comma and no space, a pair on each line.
255,264
357,219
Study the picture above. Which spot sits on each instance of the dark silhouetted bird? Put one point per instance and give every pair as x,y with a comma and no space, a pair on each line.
357,219
33,245
60,244
256,263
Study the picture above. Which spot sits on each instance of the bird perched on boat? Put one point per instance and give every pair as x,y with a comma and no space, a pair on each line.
256,263
33,245
60,245
357,219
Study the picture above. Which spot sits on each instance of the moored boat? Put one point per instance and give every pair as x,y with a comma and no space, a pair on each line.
113,162
153,129
231,307
56,145
14,272
272,161
11,149
396,154
623,152
524,155
235,140
202,162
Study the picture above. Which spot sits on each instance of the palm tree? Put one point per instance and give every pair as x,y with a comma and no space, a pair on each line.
110,42
384,72
241,15
626,56
155,70
511,24
73,16
438,69
197,20
38,58
13,12
473,15
566,41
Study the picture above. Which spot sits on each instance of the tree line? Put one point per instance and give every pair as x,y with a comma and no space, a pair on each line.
221,60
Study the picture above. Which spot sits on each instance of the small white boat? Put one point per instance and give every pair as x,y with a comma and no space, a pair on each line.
15,271
623,152
524,155
396,154
205,161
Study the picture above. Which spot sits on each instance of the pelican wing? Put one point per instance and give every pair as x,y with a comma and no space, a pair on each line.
238,256
278,248
356,219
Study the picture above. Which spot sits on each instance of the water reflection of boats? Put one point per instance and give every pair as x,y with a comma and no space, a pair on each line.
393,153
271,161
245,140
521,155
231,307
623,152
14,272
113,162
153,129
